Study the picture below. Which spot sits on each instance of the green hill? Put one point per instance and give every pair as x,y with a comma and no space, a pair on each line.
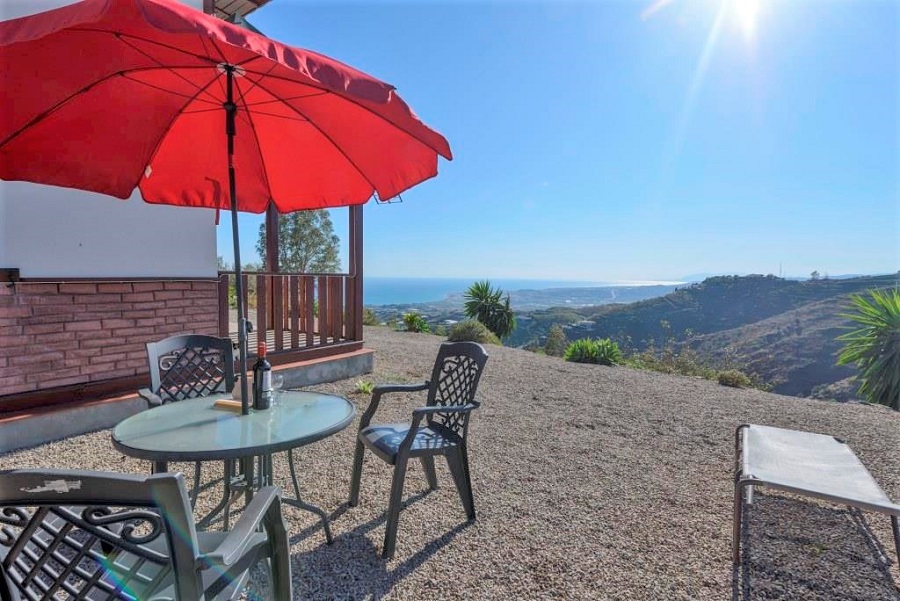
783,331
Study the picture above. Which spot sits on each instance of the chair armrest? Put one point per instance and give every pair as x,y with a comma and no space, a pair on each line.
266,501
423,411
151,398
383,389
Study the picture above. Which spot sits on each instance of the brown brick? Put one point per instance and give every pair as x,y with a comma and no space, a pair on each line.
141,314
147,286
134,364
114,287
78,379
83,326
10,331
137,297
42,310
177,285
150,305
11,384
8,342
170,294
211,294
179,303
16,311
45,299
147,333
116,306
118,323
98,298
153,321
54,337
97,368
107,357
101,315
94,343
37,288
141,354
56,320
80,288
35,358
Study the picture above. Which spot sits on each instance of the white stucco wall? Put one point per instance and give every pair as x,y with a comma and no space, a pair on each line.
56,232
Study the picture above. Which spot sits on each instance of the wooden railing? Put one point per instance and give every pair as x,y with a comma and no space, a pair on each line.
295,313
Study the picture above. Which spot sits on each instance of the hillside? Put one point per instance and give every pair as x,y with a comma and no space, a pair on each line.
716,304
783,331
794,351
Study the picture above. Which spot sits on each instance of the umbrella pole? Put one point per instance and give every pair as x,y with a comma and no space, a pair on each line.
230,111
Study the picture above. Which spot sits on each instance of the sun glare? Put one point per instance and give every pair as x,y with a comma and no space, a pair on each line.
747,13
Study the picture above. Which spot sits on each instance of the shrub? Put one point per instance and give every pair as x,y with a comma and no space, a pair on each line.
370,318
365,387
415,323
734,378
874,347
556,341
440,330
581,351
472,330
608,352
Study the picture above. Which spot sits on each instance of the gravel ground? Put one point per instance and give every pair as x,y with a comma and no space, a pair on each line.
590,483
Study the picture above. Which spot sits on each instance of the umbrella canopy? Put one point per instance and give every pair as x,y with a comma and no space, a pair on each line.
113,95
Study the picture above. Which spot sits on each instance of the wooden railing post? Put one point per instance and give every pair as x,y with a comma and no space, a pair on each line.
356,271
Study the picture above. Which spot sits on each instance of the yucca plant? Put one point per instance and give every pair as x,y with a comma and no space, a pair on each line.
874,347
583,350
488,306
415,323
608,352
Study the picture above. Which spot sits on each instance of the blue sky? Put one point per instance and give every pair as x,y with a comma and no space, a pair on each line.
629,140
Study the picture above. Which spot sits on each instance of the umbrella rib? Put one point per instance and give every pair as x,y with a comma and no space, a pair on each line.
55,107
165,132
325,135
164,67
349,98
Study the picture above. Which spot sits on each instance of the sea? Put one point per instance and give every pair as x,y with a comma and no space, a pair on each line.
401,291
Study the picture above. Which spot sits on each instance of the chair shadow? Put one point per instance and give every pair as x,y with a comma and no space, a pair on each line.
352,567
795,549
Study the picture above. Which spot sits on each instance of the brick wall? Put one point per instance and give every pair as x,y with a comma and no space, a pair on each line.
63,334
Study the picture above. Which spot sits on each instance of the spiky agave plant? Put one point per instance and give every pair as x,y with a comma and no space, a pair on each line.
874,346
488,306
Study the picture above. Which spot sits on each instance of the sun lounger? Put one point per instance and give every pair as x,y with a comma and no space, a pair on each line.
809,464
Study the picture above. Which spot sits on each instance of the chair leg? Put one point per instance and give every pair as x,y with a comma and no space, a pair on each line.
430,474
738,519
357,474
895,526
393,516
458,462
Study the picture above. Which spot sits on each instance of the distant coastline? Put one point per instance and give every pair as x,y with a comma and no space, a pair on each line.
381,291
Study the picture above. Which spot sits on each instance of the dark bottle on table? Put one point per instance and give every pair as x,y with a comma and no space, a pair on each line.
262,380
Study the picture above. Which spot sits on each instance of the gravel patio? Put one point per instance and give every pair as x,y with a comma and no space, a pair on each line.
590,483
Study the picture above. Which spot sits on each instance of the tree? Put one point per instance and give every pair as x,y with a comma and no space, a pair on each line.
221,264
556,341
874,347
308,243
488,306
814,276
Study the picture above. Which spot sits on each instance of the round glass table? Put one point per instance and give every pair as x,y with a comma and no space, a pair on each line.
197,430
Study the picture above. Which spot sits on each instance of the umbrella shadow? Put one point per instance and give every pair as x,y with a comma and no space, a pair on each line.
795,549
352,567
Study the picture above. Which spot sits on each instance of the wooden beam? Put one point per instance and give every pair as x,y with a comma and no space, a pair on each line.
356,269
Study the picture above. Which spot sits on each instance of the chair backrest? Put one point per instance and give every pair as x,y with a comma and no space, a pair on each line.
454,380
69,534
190,366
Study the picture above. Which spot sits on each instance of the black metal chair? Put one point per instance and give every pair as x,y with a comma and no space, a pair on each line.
190,366
450,401
70,534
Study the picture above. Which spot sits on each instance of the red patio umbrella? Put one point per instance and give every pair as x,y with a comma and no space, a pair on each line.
110,95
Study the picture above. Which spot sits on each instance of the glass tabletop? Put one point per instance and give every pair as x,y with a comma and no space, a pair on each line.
196,430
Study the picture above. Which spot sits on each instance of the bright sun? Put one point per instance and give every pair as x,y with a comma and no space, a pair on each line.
746,12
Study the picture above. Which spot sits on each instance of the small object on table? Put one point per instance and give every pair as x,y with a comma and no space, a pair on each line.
228,405
262,377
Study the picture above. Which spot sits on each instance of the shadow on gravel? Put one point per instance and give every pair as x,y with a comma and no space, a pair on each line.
352,568
795,549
